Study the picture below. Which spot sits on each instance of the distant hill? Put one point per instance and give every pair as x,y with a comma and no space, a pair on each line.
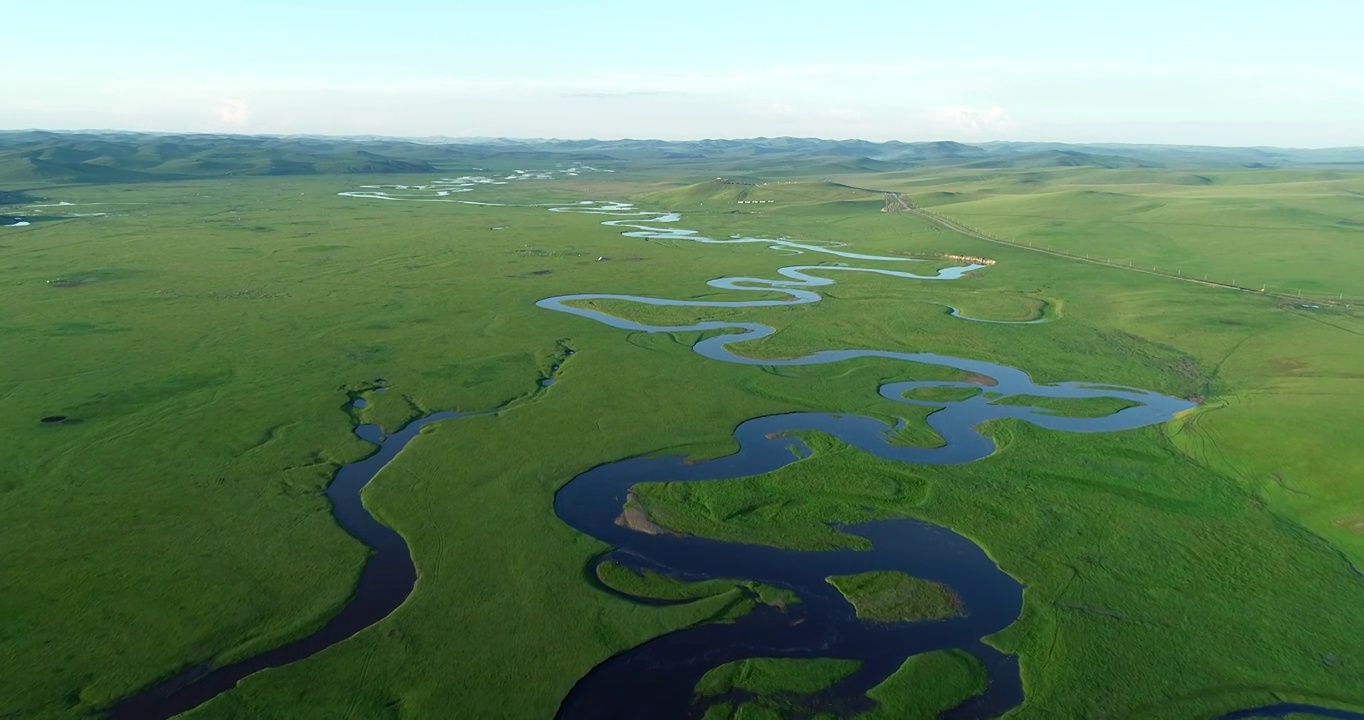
1060,158
44,157
1199,155
124,157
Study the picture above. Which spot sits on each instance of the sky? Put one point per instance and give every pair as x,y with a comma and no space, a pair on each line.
1191,72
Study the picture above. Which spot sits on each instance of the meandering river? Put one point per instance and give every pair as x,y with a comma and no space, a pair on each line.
656,679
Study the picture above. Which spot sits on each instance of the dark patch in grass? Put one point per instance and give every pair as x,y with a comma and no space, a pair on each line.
31,219
320,248
17,197
1287,365
370,354
85,277
72,282
143,394
1093,610
85,328
246,294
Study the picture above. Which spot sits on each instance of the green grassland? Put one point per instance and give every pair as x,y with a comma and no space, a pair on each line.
891,596
1174,571
1288,231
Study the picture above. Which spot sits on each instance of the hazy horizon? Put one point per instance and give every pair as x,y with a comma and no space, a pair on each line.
1219,74
474,139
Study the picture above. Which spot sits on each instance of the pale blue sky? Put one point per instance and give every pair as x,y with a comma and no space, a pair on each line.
1198,71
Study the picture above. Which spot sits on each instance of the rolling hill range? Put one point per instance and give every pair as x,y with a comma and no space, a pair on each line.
44,157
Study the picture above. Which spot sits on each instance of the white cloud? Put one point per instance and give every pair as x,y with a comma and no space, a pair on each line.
235,112
974,119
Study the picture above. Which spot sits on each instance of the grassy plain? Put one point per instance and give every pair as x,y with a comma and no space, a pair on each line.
1285,230
1170,572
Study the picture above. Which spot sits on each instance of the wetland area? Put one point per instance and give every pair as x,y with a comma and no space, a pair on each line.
619,468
